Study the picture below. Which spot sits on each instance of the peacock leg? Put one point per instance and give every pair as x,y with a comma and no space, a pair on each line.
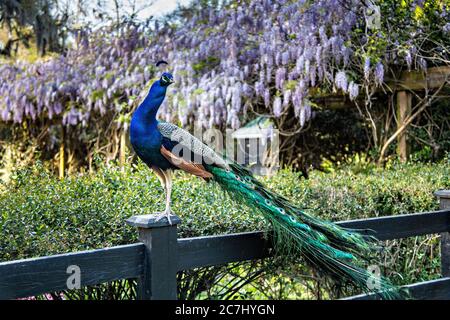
165,177
168,175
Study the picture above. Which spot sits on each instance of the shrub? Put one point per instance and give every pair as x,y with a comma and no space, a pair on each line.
42,215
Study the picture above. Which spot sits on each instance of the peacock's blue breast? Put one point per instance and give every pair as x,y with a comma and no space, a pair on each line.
146,142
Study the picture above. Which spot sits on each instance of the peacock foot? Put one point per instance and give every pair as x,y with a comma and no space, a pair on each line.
164,214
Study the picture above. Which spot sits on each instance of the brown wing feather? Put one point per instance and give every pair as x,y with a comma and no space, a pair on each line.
192,168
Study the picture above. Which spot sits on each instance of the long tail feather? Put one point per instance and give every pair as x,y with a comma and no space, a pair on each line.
335,251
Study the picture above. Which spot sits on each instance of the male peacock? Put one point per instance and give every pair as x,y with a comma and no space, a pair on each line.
332,250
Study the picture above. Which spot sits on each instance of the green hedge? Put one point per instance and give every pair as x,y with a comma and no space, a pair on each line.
42,215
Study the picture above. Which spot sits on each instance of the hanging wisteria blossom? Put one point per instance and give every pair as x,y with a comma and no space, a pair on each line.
226,60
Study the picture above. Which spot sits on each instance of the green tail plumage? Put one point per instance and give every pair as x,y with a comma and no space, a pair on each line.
337,252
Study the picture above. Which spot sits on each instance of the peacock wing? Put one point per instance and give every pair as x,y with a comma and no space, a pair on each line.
182,145
196,169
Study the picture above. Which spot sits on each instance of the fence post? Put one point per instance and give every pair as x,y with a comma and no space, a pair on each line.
161,260
444,203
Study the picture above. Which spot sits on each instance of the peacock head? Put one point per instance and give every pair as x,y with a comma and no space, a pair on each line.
166,79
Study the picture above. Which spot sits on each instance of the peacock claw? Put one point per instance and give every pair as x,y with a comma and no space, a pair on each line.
164,214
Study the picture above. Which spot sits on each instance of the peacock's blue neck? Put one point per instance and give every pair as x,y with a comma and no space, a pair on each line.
147,110
144,134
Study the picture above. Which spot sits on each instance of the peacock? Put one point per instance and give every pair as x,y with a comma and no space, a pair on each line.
331,250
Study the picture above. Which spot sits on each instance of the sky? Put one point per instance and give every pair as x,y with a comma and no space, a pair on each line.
146,8
157,9
160,7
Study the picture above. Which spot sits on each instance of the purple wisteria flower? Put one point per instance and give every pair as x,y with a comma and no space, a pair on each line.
286,98
367,68
277,107
267,98
446,28
379,73
422,63
285,58
408,59
340,80
223,60
353,90
280,77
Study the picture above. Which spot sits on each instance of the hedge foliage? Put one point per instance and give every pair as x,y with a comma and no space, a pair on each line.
42,215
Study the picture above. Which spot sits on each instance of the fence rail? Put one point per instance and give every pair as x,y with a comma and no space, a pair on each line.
155,261
438,289
35,276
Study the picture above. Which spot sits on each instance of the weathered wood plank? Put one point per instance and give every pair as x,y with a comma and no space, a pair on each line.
403,226
444,204
419,80
216,250
23,278
335,101
159,280
34,276
409,80
438,289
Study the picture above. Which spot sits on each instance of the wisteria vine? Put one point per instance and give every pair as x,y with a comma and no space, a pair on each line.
226,61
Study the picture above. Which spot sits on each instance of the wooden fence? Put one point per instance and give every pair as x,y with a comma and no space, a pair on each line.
155,261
